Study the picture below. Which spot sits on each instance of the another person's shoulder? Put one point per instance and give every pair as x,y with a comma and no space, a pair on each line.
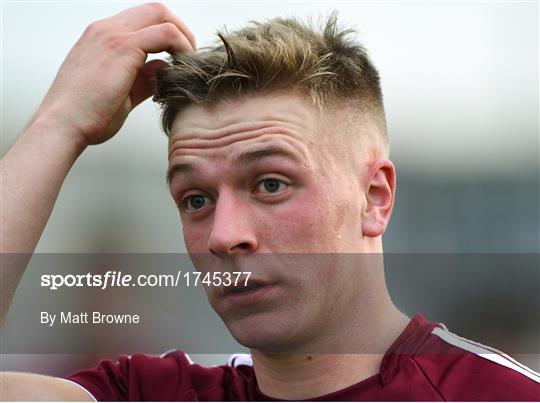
461,369
170,376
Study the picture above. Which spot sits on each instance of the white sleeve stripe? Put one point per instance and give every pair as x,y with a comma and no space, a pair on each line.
490,349
488,353
82,387
494,350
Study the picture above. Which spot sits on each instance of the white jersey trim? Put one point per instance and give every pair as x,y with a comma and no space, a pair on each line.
82,387
172,350
189,359
486,352
240,359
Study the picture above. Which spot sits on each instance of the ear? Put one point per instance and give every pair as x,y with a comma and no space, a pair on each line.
380,185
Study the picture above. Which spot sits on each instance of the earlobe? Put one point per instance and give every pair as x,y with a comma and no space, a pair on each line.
380,187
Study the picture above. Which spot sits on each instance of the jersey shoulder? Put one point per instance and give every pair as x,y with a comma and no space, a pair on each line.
462,369
171,376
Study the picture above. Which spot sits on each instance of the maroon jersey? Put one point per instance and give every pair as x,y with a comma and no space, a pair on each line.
426,362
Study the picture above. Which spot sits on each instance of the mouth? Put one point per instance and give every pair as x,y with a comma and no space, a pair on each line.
243,287
242,295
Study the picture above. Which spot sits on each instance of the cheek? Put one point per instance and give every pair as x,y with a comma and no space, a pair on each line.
195,238
301,225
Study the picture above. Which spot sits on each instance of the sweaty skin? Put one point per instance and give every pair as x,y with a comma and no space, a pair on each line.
297,235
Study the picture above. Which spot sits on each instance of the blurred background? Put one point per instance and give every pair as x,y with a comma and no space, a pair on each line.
460,82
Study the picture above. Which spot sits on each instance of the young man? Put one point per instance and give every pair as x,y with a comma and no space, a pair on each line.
278,161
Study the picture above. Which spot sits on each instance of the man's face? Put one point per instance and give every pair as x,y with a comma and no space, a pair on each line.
263,186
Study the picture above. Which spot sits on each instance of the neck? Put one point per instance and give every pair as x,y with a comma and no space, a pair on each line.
295,376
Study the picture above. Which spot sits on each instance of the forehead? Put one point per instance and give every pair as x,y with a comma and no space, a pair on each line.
203,121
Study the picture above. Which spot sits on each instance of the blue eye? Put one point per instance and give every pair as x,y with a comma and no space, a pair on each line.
195,202
271,185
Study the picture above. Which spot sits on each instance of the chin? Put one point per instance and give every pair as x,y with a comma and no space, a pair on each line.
263,332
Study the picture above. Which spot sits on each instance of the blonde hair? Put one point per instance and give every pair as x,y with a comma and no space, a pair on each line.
282,54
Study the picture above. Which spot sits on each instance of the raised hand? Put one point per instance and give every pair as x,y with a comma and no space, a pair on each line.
106,75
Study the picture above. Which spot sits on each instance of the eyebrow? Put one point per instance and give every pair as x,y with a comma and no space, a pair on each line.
245,157
176,169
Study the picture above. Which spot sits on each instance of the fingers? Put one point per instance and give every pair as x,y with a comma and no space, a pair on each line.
144,84
159,38
137,18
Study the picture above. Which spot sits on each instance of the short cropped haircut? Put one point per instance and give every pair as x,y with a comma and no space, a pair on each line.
325,64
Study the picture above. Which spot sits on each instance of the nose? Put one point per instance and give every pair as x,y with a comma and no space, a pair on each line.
232,228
